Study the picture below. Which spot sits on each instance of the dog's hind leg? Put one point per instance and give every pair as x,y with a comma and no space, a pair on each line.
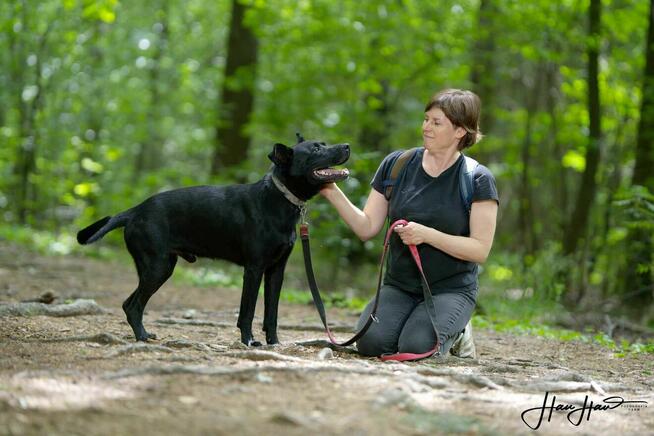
251,282
272,289
153,272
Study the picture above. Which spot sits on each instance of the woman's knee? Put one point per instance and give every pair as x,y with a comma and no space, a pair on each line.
375,343
419,342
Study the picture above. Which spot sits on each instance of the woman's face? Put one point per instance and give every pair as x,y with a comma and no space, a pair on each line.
438,132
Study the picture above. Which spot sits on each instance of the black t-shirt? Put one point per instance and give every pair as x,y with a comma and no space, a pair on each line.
434,202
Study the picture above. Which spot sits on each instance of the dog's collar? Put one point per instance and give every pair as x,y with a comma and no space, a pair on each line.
288,194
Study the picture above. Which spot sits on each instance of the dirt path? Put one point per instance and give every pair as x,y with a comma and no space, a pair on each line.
84,374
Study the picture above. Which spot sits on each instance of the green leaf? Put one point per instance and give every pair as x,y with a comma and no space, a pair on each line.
574,160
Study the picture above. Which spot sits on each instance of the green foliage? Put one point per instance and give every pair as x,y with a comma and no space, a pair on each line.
636,208
525,274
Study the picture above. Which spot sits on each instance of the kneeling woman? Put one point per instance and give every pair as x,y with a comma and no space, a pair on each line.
452,236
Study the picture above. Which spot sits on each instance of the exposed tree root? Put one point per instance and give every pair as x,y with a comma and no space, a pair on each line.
100,338
287,364
261,355
76,308
200,346
230,371
139,347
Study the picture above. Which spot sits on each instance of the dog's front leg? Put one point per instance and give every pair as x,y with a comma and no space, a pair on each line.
251,282
272,290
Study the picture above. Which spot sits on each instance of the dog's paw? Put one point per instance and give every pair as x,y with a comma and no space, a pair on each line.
255,344
145,337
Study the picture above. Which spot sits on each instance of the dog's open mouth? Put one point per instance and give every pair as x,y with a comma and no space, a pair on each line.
328,175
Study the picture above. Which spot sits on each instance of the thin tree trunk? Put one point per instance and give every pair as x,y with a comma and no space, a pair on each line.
638,283
483,72
526,217
376,129
149,156
586,193
26,194
232,141
559,183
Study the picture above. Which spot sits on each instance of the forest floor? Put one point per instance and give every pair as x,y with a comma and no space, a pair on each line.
85,375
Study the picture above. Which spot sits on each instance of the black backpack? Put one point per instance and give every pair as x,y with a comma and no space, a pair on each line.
466,183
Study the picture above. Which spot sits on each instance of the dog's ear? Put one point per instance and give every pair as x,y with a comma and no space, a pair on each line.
299,136
281,155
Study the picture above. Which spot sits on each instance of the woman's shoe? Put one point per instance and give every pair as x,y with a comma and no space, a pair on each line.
464,346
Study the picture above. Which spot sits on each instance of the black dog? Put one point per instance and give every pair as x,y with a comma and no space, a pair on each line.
251,225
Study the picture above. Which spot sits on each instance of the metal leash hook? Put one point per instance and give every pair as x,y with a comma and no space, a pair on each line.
303,216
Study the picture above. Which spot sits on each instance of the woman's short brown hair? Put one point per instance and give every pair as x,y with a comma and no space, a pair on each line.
462,108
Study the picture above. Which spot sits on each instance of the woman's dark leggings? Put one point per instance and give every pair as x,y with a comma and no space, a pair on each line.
404,324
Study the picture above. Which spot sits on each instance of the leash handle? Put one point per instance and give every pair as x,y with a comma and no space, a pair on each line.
412,248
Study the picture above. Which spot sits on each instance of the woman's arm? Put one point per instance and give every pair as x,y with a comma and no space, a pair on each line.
364,223
475,248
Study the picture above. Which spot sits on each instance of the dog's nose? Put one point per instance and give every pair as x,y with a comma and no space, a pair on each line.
347,147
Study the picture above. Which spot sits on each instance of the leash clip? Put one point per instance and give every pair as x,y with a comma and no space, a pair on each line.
303,214
374,318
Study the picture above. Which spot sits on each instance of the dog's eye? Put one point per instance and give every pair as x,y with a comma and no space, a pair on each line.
316,147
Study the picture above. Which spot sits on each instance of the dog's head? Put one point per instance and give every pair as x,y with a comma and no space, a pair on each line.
307,166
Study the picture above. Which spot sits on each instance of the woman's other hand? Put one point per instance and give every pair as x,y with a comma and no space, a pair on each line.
412,233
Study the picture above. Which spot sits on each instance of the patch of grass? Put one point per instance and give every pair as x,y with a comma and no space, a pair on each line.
333,299
529,327
41,241
61,243
206,277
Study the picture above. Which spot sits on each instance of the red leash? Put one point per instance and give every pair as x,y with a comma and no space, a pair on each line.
429,304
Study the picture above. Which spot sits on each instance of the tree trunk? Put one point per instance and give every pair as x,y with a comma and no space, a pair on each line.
149,157
232,141
560,183
26,190
586,194
526,219
483,65
376,127
638,283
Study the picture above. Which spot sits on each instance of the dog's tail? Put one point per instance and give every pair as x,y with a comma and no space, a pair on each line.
98,229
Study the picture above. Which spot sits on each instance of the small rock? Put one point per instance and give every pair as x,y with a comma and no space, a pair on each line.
325,354
291,418
263,378
178,343
47,297
185,399
189,314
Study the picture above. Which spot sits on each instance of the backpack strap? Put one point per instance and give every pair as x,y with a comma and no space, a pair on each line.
466,182
396,169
